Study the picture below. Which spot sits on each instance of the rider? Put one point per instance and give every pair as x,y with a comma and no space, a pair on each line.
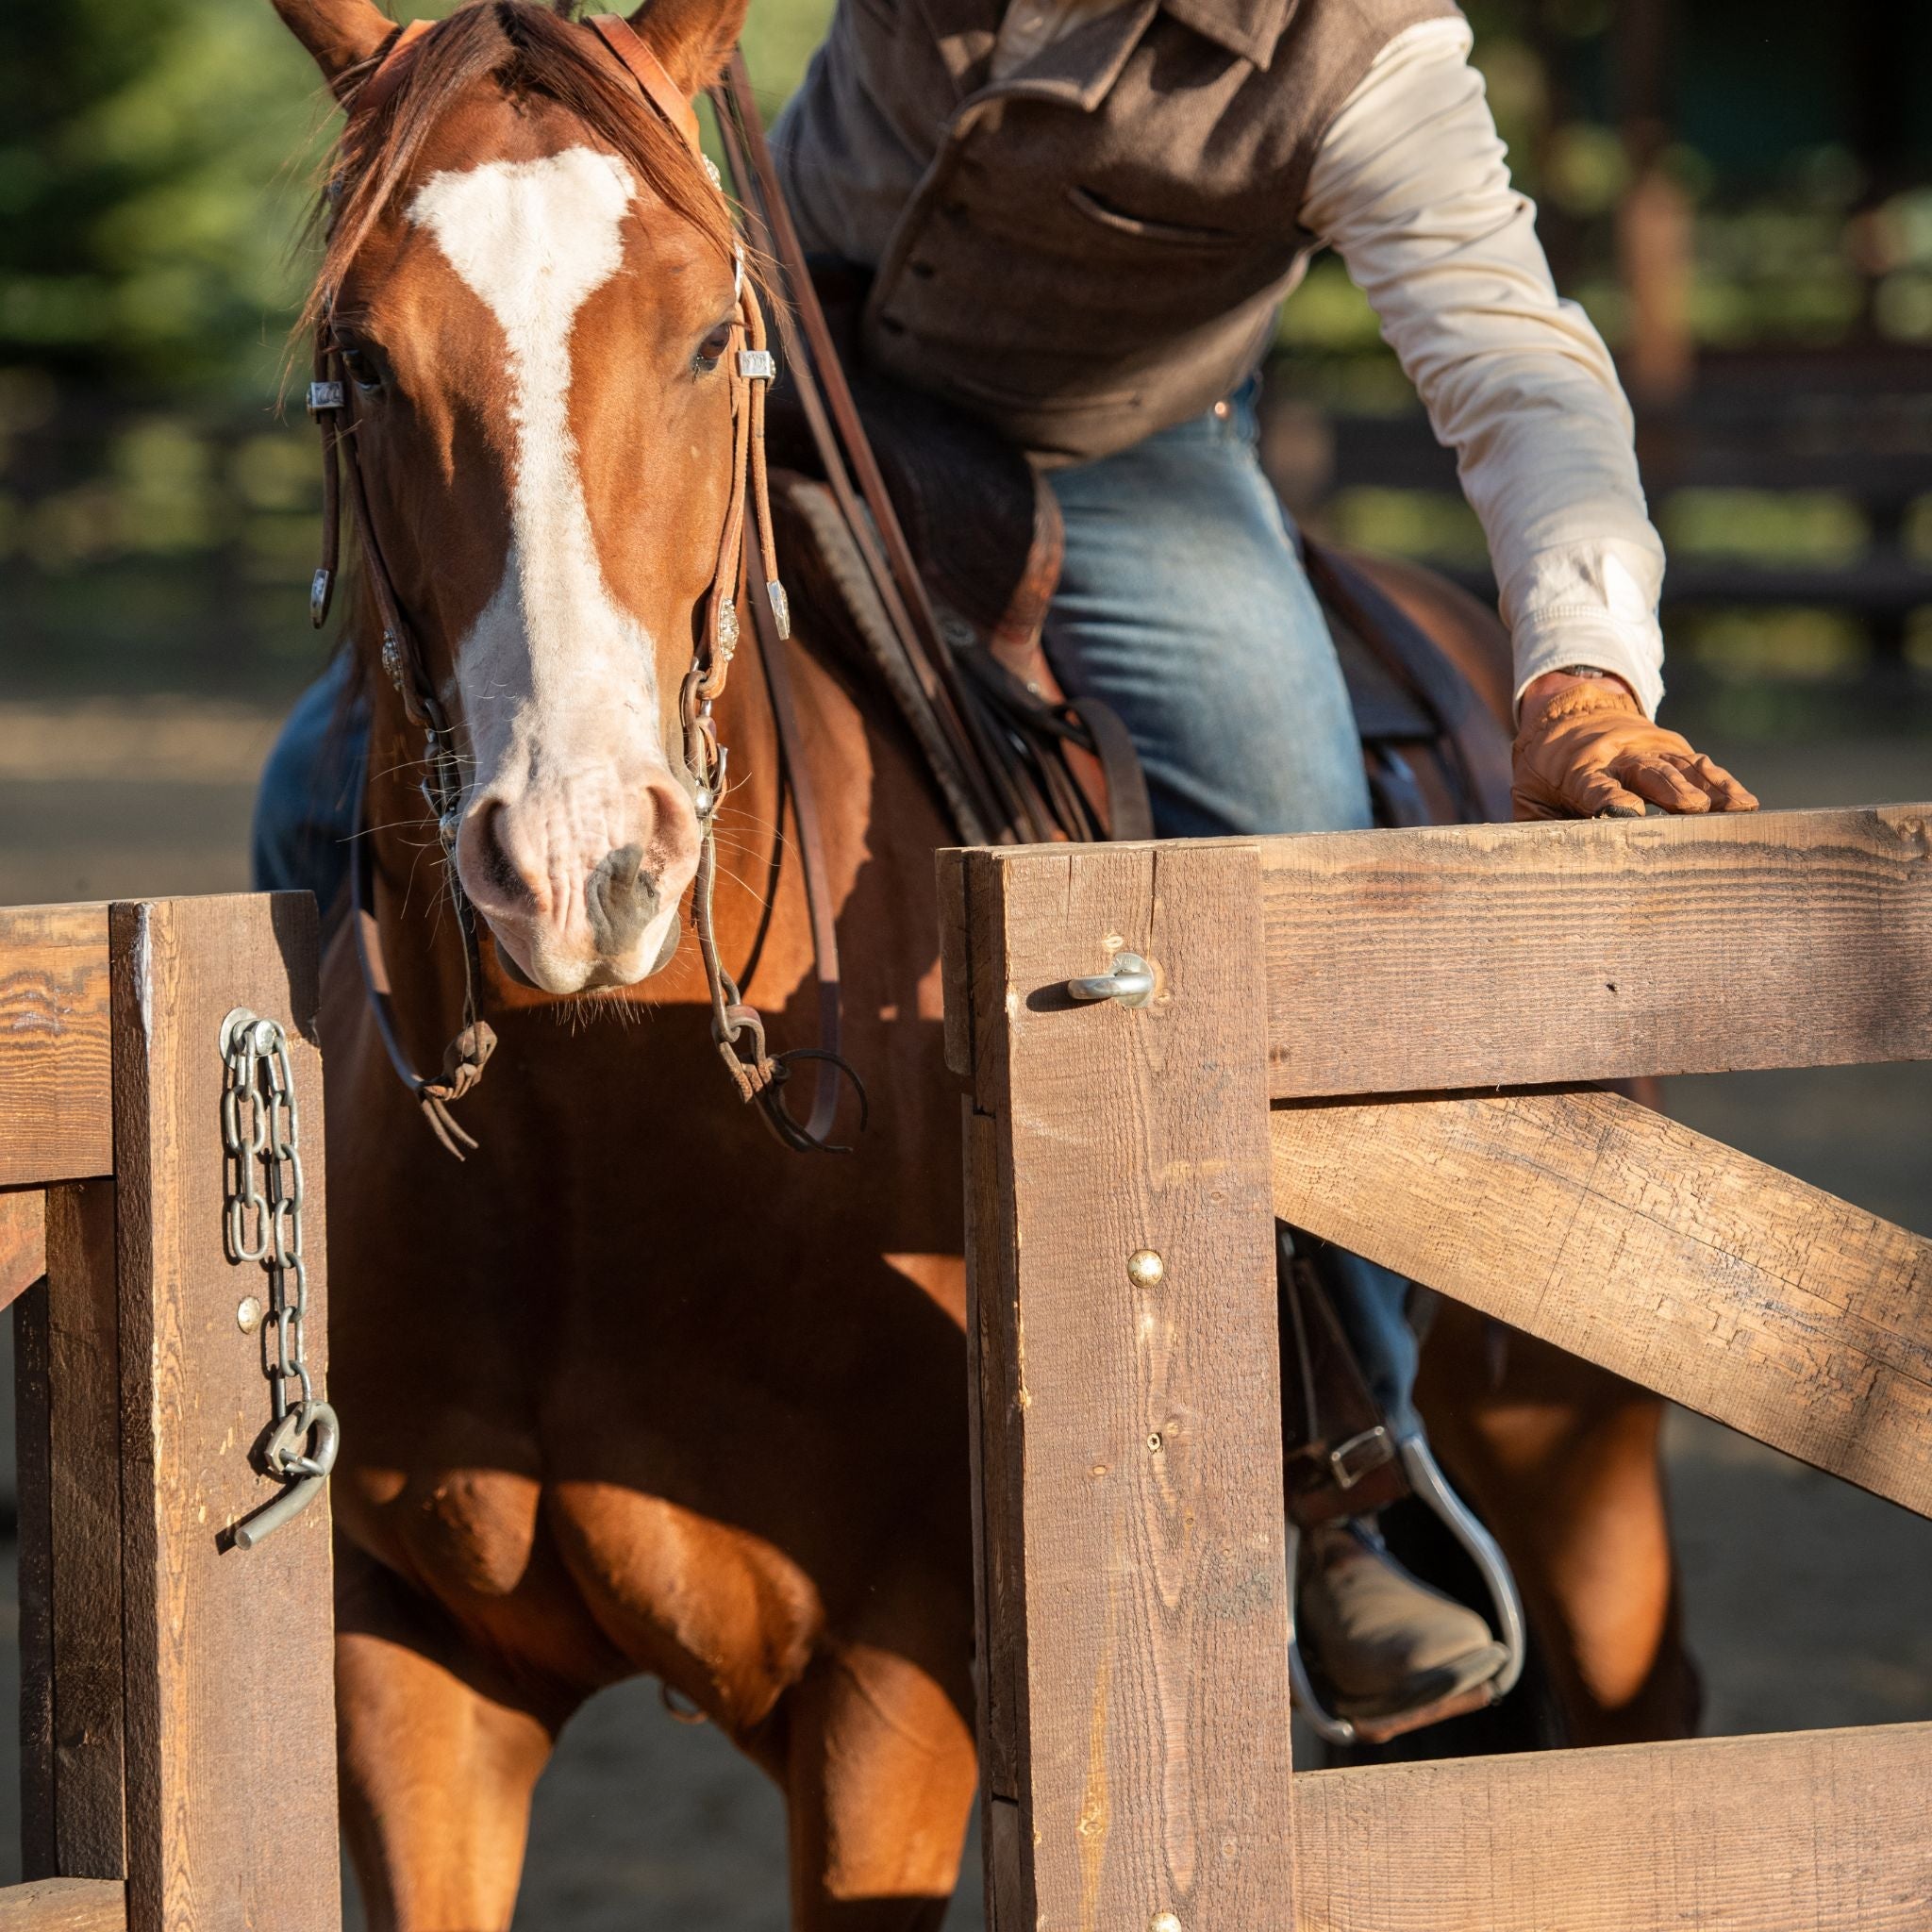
1081,217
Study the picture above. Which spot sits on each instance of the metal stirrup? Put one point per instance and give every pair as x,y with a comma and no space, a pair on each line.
1428,1481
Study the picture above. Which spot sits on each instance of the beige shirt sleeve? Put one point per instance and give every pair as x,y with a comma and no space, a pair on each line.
1412,189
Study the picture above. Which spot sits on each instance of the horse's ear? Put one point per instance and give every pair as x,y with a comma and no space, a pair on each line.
693,37
339,34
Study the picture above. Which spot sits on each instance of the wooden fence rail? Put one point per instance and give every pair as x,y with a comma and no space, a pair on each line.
1319,1003
178,1707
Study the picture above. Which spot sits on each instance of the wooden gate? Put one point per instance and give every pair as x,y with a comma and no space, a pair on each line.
177,1703
1380,1036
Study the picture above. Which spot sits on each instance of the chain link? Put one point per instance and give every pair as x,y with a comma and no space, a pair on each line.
262,1139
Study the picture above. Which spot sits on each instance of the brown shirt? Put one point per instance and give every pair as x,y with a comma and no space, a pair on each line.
1093,248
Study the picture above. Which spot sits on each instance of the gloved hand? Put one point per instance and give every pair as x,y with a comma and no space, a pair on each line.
1588,752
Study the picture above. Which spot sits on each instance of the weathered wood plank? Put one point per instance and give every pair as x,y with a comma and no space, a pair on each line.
55,1118
1471,956
68,1423
1130,1446
951,875
1664,1257
34,1481
992,1393
64,1904
23,1242
230,1731
1823,1829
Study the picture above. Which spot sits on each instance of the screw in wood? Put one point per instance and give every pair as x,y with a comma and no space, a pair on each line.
1146,1268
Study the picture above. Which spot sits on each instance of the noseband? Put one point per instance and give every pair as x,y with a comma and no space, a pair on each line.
736,1027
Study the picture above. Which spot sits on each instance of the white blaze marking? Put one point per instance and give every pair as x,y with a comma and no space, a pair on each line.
554,672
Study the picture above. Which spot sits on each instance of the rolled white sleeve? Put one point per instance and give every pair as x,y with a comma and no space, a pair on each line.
1411,187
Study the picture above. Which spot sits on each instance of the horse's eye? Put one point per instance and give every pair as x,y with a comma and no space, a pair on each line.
710,351
363,368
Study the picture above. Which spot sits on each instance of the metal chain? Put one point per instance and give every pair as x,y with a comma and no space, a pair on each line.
261,1135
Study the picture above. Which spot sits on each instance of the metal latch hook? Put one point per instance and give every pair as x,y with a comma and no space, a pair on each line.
1131,983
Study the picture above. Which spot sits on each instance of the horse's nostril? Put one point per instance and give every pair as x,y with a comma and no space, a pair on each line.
620,899
494,864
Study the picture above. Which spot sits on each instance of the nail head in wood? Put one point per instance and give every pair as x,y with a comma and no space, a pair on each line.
1146,1268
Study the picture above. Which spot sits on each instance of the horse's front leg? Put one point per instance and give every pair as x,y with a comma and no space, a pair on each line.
880,1773
438,1758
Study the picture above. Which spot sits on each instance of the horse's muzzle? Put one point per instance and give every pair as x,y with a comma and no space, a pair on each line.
581,898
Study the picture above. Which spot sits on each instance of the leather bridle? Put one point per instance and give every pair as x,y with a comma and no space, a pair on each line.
736,1025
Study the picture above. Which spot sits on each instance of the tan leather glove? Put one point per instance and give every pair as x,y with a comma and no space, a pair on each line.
1590,752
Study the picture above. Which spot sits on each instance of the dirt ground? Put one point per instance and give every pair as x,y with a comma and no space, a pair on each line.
1806,1599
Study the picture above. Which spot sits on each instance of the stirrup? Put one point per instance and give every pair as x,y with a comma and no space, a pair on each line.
1426,1479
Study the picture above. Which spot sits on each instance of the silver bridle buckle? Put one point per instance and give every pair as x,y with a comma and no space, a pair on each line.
324,395
757,365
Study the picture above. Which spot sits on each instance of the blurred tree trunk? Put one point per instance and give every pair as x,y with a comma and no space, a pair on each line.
1654,224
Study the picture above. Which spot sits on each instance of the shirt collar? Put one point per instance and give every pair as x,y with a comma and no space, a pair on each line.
1250,29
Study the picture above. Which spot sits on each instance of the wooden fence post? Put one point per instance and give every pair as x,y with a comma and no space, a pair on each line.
68,1430
1128,1520
230,1706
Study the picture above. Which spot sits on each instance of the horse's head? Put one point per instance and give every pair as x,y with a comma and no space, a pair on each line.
530,280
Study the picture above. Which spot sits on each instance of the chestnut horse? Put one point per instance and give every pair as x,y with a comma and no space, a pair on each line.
635,1389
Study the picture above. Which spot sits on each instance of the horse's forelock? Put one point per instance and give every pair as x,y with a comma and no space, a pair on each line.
530,52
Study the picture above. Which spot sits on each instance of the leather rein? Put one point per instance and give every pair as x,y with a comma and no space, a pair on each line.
737,1027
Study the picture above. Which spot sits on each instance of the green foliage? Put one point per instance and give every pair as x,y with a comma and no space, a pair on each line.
156,165
153,169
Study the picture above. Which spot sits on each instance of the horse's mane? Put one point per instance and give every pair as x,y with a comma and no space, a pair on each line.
530,52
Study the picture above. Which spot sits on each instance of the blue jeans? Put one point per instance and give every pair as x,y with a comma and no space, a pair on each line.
305,807
1184,605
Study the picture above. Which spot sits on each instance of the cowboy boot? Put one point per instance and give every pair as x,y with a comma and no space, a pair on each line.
1381,1642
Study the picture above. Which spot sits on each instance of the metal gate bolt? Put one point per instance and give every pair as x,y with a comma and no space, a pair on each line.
248,1315
1146,1268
